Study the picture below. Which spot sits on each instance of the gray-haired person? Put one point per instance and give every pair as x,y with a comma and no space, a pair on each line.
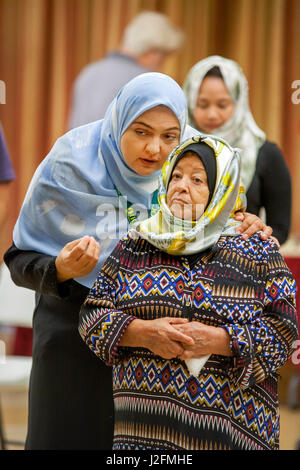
147,41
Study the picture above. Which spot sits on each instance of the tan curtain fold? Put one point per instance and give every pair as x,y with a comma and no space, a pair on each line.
44,44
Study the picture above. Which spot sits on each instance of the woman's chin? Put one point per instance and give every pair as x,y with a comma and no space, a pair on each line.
145,171
181,213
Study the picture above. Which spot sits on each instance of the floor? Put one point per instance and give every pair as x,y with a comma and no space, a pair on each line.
14,411
14,416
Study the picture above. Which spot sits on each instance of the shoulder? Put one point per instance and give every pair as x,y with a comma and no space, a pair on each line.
77,139
271,161
89,71
256,255
269,146
270,150
251,259
253,248
71,158
133,245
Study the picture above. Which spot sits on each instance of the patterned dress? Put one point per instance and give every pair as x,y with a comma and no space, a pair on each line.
243,286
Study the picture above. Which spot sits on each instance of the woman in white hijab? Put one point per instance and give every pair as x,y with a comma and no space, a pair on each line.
217,95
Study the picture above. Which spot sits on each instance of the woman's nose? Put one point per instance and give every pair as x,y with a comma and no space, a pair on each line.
153,146
182,184
212,112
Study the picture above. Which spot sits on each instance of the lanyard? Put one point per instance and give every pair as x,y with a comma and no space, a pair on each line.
131,213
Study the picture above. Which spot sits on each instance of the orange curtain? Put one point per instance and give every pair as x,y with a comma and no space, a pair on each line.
45,43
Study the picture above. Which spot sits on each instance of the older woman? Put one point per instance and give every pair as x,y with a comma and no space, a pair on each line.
183,286
217,95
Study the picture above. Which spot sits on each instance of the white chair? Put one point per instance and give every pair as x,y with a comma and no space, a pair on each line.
16,309
16,303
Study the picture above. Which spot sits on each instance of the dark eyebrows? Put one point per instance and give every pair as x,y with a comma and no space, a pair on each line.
222,98
147,125
195,170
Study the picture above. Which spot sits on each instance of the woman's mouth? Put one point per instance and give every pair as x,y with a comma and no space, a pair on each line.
211,127
178,200
146,161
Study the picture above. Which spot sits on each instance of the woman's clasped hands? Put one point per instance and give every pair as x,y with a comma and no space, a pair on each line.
206,340
177,337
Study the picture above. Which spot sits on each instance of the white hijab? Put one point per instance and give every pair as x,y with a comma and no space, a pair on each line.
240,130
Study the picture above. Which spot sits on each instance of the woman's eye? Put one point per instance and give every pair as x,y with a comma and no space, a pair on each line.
202,105
171,137
223,105
140,132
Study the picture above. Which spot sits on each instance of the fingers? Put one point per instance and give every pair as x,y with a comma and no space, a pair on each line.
276,241
253,224
78,258
163,338
176,335
177,321
73,243
91,254
79,248
175,350
266,233
239,216
85,250
186,354
248,222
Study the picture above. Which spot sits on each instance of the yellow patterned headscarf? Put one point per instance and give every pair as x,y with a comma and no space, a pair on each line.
177,236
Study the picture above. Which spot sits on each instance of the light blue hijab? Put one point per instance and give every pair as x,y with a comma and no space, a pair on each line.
73,191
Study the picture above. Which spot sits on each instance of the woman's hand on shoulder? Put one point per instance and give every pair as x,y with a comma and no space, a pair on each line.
252,224
77,258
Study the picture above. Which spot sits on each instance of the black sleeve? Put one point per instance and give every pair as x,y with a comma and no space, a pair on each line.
35,271
275,189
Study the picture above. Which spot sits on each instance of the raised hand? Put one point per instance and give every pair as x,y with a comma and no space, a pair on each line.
77,258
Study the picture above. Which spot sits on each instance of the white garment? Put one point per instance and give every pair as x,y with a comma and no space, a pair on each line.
240,130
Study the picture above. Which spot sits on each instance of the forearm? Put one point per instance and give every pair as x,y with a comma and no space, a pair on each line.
33,270
221,343
260,348
136,335
104,330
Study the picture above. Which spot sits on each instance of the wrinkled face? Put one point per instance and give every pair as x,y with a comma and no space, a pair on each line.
188,191
147,142
214,105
